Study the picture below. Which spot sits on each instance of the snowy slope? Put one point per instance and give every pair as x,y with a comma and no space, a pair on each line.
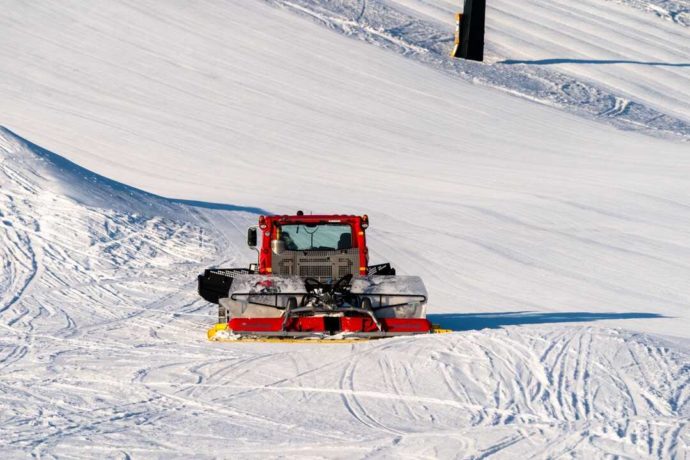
548,223
599,59
499,204
130,88
102,353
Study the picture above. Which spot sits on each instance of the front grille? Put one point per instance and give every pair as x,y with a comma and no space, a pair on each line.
315,271
314,260
322,265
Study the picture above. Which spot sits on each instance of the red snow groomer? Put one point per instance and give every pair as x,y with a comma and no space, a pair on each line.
313,281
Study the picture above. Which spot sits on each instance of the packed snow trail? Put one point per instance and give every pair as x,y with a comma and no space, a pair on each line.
103,353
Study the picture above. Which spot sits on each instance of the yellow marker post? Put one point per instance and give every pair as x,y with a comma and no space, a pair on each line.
456,47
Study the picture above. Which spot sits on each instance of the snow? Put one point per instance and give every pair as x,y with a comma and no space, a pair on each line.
384,284
543,202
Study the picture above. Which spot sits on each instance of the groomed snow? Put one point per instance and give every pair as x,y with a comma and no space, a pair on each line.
551,237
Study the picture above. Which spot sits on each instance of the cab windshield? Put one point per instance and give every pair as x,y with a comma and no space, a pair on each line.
316,237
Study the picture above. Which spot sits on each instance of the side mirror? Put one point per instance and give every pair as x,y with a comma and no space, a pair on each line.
278,246
252,237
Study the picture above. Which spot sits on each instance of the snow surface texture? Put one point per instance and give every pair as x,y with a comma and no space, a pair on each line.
650,94
102,353
520,218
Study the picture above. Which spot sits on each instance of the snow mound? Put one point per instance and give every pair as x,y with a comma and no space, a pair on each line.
76,243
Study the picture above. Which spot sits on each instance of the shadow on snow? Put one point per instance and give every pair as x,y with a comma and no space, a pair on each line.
220,206
476,321
594,61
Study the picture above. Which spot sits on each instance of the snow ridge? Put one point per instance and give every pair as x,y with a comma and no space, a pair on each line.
393,25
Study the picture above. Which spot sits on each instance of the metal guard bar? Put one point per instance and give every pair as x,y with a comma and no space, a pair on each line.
422,298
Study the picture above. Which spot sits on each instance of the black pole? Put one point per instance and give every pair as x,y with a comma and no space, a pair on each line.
471,31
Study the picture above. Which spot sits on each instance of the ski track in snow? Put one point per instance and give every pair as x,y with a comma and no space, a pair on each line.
102,353
102,335
419,30
677,11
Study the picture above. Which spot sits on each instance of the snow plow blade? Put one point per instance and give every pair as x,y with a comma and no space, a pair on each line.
278,308
222,333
